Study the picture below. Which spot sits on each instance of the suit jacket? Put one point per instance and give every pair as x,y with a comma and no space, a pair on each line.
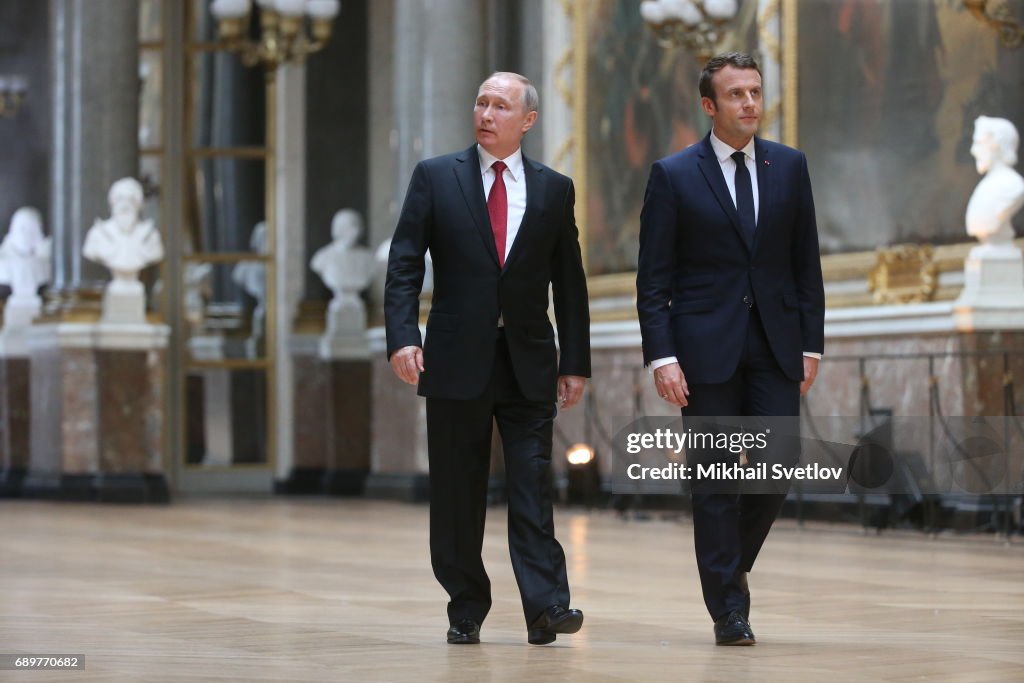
697,274
445,211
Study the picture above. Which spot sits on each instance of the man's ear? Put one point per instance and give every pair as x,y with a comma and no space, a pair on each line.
531,119
708,105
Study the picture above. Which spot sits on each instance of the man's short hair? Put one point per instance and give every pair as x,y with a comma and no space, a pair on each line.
531,100
739,60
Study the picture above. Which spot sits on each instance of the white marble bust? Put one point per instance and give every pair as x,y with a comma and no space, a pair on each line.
124,243
347,268
993,293
344,266
24,265
1000,193
25,255
252,277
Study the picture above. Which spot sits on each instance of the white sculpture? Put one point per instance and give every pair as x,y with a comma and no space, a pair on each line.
24,265
252,277
384,252
347,269
1000,194
994,270
196,282
125,244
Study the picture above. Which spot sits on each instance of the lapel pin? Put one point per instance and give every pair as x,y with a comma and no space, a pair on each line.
767,163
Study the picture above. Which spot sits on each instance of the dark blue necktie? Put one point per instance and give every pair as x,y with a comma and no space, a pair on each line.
744,197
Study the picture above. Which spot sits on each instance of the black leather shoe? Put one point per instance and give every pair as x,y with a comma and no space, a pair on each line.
555,619
733,629
464,632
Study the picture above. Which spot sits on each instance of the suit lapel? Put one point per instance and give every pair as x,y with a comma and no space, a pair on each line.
467,172
712,171
765,190
535,186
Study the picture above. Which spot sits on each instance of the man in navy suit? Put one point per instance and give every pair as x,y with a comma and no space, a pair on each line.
501,230
731,306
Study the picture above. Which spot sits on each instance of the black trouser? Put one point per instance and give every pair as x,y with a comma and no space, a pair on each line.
730,526
459,449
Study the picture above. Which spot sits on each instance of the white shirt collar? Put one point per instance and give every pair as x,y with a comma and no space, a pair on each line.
724,151
514,162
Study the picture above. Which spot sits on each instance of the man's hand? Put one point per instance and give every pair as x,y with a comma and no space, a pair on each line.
407,362
570,390
671,384
810,373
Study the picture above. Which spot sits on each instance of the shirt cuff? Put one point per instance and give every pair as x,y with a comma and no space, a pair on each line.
812,354
668,360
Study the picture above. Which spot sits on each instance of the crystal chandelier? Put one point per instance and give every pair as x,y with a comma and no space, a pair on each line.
283,35
696,25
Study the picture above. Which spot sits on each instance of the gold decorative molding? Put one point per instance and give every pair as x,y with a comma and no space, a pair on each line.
310,317
564,89
78,305
836,268
998,17
904,274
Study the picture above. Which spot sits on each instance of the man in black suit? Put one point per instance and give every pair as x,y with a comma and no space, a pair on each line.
731,306
500,229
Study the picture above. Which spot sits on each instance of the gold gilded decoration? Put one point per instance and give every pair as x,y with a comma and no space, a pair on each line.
697,26
12,94
309,319
997,16
904,274
282,37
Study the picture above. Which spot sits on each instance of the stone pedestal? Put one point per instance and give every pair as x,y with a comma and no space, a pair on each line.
15,402
993,294
214,387
20,311
345,337
331,421
399,468
14,423
124,302
97,418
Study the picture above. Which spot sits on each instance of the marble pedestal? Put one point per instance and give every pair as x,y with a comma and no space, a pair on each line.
97,418
993,293
124,302
346,330
331,421
967,374
15,405
15,402
399,468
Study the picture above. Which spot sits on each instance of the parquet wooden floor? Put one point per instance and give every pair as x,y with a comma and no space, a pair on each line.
332,590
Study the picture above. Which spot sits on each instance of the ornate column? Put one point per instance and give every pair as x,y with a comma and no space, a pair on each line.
95,109
769,39
440,58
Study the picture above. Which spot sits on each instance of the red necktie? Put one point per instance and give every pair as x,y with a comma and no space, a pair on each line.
497,209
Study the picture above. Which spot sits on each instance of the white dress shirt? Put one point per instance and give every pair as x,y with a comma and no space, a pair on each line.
515,194
724,154
515,188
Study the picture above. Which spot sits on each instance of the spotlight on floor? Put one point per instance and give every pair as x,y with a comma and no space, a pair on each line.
579,454
584,477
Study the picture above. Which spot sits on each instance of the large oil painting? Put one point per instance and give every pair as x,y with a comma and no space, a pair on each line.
888,93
